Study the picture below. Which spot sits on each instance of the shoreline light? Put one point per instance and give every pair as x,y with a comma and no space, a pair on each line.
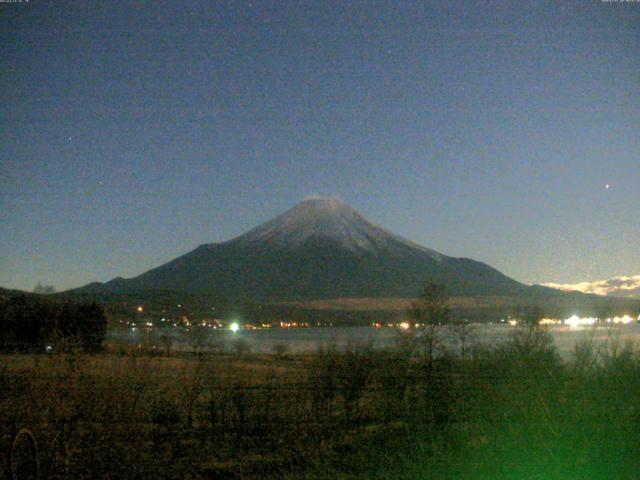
576,321
624,319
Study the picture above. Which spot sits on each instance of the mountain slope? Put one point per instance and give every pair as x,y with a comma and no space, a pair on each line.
319,249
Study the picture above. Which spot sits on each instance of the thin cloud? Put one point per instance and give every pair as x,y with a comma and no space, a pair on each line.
613,286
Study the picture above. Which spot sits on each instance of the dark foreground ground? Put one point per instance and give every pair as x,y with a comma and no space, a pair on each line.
512,412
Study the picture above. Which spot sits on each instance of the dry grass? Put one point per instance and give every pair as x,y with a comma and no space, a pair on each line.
507,412
401,304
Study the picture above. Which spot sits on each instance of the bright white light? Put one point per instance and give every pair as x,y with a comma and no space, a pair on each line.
576,321
404,325
624,319
572,321
234,327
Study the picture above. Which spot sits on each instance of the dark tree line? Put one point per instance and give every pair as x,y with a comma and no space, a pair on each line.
32,324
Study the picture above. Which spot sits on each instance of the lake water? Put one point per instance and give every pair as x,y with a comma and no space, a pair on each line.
310,339
300,340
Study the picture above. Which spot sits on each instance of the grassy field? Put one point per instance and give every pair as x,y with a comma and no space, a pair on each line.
515,411
401,304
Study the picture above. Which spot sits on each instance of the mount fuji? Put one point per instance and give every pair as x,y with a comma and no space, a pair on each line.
319,249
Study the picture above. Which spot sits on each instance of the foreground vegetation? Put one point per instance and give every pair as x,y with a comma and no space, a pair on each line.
511,411
37,323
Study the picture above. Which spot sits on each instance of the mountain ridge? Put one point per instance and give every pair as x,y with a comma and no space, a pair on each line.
321,248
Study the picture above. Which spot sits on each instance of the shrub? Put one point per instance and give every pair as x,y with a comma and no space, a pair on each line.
30,323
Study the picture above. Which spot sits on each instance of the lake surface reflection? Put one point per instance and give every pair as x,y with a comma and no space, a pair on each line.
300,340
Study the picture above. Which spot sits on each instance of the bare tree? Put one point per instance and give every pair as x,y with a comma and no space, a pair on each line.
166,340
463,332
430,313
529,338
44,289
198,338
193,384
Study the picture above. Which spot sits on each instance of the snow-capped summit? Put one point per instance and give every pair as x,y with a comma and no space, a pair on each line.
328,219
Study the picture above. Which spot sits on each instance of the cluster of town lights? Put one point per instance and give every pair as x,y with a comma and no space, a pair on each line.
576,321
573,321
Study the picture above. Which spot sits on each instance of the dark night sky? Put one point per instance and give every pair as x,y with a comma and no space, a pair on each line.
132,132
